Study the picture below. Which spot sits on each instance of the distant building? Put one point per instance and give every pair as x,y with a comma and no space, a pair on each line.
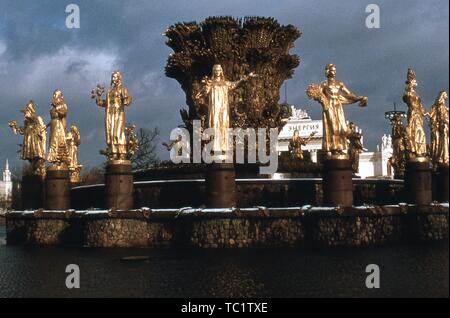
6,187
371,164
301,121
376,164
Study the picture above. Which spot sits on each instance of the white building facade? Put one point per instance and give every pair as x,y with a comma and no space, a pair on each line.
300,120
376,164
371,164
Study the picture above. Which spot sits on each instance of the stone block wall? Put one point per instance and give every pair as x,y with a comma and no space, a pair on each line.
45,228
241,232
117,232
232,228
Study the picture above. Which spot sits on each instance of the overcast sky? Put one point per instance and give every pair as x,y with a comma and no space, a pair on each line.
39,54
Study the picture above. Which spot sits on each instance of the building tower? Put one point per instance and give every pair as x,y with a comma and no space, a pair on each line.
7,173
6,186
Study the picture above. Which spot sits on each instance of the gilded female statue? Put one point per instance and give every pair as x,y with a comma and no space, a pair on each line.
57,152
296,143
439,130
417,147
34,138
399,149
73,141
355,146
117,98
332,95
216,89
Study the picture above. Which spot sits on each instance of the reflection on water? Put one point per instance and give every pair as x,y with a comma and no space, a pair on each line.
407,271
2,235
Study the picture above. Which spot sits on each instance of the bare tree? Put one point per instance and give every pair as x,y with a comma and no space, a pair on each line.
94,175
146,155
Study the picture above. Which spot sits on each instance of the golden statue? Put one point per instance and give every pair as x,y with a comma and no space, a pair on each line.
439,130
217,89
296,143
131,146
417,147
58,151
239,45
132,140
117,98
332,95
34,138
399,146
355,146
73,141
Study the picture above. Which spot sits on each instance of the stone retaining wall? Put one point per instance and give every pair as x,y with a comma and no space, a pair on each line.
254,227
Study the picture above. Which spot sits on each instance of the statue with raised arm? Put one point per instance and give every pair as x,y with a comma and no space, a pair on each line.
332,95
58,151
73,141
34,138
439,130
216,89
296,143
117,98
415,132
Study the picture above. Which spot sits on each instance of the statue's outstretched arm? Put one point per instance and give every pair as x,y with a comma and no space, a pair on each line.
233,85
100,102
311,135
348,97
21,130
126,98
16,130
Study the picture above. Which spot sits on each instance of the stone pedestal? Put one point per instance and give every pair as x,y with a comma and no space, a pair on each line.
57,189
418,182
337,182
321,156
441,184
119,185
220,185
32,192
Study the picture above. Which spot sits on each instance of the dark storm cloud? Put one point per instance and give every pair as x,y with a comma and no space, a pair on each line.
38,54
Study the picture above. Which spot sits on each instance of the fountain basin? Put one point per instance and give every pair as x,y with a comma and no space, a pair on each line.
284,192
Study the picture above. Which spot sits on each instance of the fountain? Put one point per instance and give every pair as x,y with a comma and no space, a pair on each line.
236,67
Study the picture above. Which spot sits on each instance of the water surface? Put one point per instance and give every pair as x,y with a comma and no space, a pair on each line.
406,271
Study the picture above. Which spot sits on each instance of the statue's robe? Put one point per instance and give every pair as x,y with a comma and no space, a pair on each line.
116,101
334,124
57,132
219,112
34,139
415,130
